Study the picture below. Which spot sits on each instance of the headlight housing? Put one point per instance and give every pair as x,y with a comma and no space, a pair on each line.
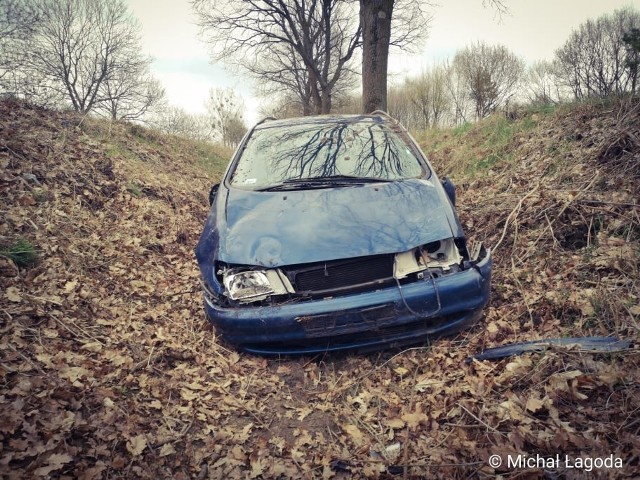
247,285
440,257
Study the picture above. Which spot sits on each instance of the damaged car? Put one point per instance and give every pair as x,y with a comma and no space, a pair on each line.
334,233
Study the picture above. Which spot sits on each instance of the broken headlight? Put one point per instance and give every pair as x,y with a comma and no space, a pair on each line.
441,256
246,285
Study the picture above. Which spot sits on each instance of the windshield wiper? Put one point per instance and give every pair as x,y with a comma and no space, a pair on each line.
337,179
322,182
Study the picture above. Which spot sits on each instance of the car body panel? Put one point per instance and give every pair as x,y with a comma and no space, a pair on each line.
302,226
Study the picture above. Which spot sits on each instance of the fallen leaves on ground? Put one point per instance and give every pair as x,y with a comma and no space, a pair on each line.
109,369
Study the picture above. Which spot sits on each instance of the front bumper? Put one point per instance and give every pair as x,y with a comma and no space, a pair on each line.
386,318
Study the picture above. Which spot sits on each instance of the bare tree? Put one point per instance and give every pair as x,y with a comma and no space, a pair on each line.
490,75
18,20
632,42
543,86
285,81
130,92
225,112
458,93
76,45
282,106
176,121
347,103
308,44
399,105
410,24
86,53
429,97
592,62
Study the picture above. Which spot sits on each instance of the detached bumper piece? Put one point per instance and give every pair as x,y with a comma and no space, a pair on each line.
573,344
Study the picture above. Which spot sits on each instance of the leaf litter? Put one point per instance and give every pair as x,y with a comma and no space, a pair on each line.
109,369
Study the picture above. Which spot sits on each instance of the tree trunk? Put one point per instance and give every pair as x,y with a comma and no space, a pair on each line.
316,99
375,18
326,102
306,108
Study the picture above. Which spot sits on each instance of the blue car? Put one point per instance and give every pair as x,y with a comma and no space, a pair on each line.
334,233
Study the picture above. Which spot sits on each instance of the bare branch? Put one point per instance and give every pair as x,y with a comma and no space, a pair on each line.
85,53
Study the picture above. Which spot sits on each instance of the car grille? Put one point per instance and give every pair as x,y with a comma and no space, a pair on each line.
337,275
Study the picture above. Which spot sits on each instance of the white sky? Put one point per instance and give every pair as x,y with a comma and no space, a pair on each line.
533,29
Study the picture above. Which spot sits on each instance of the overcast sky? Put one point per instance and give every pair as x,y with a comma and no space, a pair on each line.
533,29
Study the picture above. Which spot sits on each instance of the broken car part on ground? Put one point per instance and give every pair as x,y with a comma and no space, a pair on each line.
333,233
577,344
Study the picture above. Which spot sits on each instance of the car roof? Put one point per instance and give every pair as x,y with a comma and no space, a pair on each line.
375,117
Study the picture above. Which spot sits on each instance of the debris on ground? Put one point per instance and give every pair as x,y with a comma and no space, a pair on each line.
574,344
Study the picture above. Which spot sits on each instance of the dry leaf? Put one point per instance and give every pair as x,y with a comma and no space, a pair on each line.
355,433
54,462
395,423
137,444
414,419
167,449
104,338
534,404
13,294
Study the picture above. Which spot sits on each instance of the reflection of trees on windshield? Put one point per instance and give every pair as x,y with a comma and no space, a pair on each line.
363,150
382,158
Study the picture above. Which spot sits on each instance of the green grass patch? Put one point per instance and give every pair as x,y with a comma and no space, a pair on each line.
499,131
529,122
139,144
470,149
541,109
145,135
134,189
461,129
117,151
212,159
22,252
491,145
488,162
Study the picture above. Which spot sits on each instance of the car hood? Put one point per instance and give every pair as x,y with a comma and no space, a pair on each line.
303,226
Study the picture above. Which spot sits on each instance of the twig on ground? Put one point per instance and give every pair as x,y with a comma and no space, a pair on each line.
489,427
534,244
405,453
514,214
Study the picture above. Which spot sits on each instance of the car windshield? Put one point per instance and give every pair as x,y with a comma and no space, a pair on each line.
340,149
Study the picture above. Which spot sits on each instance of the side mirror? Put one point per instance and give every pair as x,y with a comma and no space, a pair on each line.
213,192
450,188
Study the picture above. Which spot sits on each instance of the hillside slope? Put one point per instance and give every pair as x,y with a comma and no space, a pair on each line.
110,371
